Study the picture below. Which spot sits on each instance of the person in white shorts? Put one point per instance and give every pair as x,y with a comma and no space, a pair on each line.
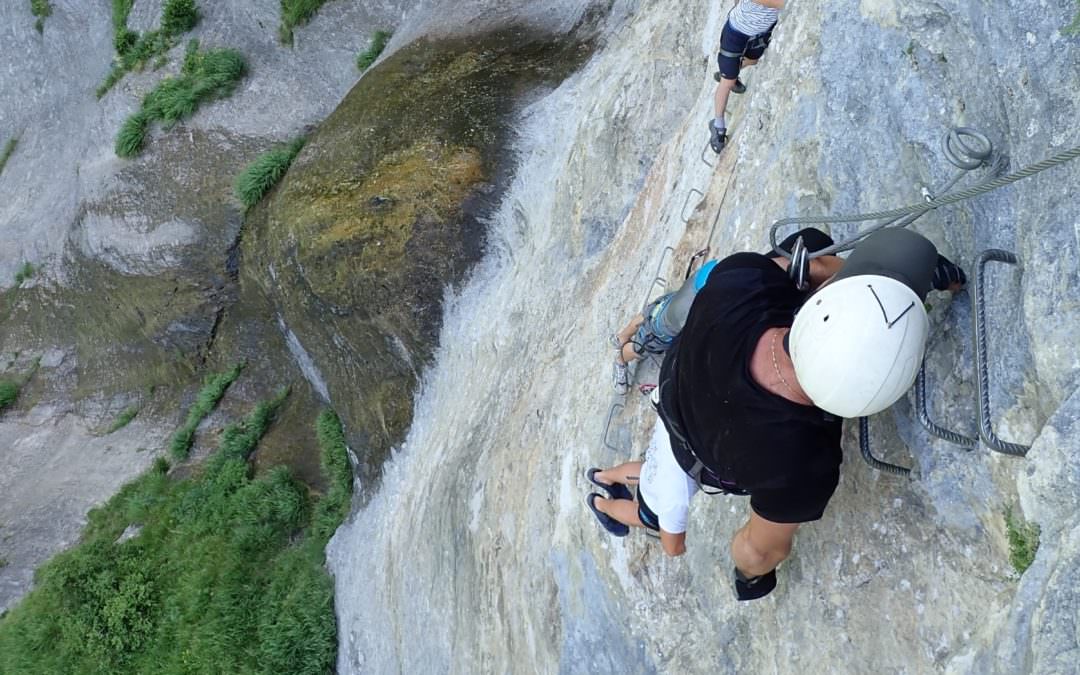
663,495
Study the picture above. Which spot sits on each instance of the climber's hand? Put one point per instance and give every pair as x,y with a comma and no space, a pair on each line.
948,276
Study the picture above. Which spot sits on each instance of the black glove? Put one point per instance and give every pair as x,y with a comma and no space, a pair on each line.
947,273
752,588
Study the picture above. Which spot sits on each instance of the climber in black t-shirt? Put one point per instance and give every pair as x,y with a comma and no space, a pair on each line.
755,390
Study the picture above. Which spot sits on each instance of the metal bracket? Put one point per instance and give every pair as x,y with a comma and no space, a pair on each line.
704,150
686,202
982,368
607,428
864,446
928,424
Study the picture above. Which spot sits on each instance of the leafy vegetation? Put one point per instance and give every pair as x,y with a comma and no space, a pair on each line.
207,399
224,576
135,50
205,75
124,419
41,9
9,391
296,13
378,43
332,509
24,273
1023,540
1074,27
264,173
9,148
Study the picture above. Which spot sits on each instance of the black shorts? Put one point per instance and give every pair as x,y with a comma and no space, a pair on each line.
746,46
645,514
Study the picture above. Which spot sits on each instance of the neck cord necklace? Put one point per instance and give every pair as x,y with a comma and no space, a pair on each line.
776,366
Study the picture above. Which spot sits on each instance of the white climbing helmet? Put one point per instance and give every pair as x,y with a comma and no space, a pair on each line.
857,344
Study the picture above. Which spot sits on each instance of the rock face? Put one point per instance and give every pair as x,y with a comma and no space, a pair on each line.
480,532
383,211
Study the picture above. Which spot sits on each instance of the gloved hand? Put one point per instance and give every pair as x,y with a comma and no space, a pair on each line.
752,588
948,276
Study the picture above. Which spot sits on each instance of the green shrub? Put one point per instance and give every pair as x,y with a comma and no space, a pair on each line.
179,16
1074,27
9,148
129,141
24,273
261,175
220,578
41,9
207,399
124,419
378,43
1023,540
134,50
9,391
204,76
296,13
333,508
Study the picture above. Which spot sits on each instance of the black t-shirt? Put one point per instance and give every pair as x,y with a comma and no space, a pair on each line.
786,455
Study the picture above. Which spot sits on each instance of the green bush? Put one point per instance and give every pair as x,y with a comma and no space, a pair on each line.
220,578
179,16
333,508
1023,540
296,13
40,9
134,50
124,419
9,391
264,173
1074,27
9,148
207,399
24,273
204,76
378,43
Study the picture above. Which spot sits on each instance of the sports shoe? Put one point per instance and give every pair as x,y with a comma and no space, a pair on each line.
610,524
717,138
739,87
621,377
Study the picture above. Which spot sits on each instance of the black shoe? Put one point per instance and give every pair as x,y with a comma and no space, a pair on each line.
739,87
616,490
752,588
717,138
610,524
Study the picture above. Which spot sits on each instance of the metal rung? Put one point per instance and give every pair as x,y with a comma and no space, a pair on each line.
982,369
658,278
707,148
864,446
928,424
682,214
607,427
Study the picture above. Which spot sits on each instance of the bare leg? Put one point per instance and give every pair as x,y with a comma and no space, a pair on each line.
622,510
627,353
627,474
723,90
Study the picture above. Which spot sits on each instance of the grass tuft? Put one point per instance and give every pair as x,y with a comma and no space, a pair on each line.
41,9
378,43
135,50
9,391
179,16
296,13
205,75
1023,540
9,148
124,419
264,173
24,273
333,508
213,389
